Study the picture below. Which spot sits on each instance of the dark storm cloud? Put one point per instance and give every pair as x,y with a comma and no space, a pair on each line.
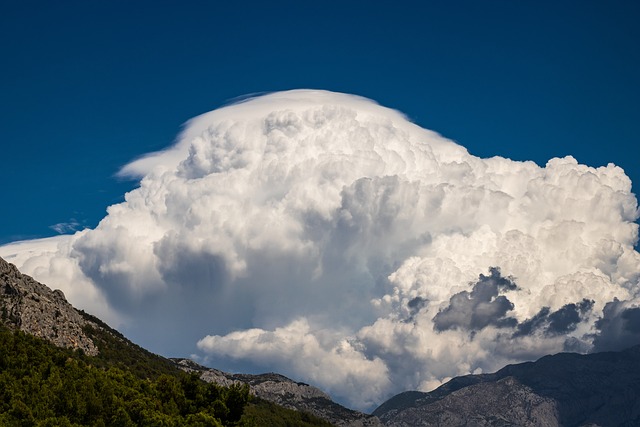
414,306
632,318
618,328
481,307
530,325
566,319
559,322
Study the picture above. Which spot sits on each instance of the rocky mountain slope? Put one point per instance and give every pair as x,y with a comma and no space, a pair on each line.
34,308
31,307
285,392
567,389
601,389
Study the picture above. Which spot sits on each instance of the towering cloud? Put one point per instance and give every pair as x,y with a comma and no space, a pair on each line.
326,237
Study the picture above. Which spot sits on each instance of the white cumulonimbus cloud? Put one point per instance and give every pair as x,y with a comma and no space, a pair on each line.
328,238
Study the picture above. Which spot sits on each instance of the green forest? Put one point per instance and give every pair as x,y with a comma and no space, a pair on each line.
43,385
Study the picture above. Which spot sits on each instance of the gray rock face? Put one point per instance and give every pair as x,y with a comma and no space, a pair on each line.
601,389
503,403
34,308
285,392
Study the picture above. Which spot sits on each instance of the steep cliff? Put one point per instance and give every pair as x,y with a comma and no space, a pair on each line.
32,307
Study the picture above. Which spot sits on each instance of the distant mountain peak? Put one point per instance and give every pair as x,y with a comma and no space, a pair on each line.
566,389
286,392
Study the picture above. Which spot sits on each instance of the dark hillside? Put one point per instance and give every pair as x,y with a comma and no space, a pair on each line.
565,389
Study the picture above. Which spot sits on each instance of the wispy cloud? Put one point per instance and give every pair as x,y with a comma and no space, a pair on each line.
66,227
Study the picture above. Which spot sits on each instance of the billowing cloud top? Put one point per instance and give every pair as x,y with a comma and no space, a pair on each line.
326,237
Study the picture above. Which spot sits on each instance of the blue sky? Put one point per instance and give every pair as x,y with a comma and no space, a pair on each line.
88,86
349,259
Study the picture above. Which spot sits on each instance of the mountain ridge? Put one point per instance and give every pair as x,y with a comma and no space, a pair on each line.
565,389
286,392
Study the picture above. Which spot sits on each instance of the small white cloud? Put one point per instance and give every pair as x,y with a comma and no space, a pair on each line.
326,359
66,227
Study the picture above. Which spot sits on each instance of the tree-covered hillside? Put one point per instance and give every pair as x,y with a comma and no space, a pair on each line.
44,385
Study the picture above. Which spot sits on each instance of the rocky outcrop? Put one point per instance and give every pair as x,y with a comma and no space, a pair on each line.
503,403
601,389
285,392
32,307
